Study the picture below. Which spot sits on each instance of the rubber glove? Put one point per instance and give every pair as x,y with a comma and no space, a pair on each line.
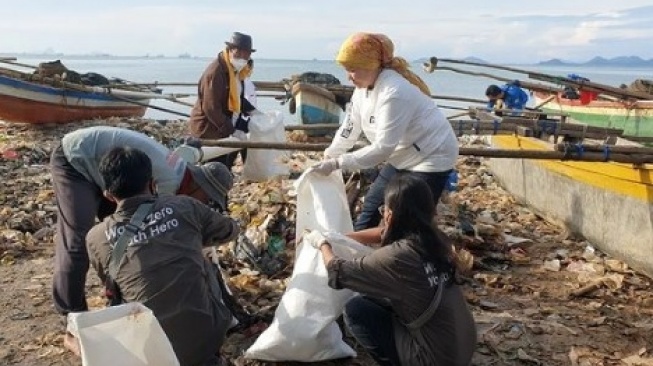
315,239
326,167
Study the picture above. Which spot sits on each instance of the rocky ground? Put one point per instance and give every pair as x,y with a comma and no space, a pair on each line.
540,295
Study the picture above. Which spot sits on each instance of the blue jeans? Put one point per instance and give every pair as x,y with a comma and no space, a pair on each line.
370,216
371,325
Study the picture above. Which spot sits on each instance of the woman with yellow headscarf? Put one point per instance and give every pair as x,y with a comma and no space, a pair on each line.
392,107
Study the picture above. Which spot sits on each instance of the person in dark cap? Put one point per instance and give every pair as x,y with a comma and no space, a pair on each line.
162,265
221,109
78,188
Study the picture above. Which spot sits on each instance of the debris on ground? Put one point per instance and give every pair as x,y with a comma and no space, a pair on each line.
540,294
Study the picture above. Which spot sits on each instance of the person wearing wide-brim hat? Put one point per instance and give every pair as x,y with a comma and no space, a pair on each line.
221,109
78,188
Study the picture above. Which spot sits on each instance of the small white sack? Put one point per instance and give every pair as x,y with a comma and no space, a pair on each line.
304,327
263,164
126,335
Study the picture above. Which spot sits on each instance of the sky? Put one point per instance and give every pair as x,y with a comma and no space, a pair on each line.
497,31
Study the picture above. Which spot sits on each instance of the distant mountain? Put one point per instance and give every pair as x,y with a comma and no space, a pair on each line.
598,61
475,59
553,62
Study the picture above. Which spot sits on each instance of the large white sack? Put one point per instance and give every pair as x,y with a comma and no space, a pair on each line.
126,335
322,203
263,164
304,327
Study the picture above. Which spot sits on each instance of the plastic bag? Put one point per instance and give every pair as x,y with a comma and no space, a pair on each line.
304,327
263,164
126,335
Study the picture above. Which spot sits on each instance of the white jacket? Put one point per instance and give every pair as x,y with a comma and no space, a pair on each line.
403,125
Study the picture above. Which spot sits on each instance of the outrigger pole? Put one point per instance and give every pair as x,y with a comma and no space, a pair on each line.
560,80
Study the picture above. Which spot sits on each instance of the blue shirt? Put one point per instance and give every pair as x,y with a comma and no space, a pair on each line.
513,97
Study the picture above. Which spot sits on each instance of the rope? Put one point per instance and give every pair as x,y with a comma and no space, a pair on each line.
571,149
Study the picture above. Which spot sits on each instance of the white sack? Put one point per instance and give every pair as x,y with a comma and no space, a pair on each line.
263,164
126,335
322,203
304,327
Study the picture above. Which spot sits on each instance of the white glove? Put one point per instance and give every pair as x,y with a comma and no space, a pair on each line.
315,239
326,167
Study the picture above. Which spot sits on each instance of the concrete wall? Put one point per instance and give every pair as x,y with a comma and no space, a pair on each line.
619,225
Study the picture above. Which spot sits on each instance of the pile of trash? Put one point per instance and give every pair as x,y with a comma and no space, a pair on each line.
540,294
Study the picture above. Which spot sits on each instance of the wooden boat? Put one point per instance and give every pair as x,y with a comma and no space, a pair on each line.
610,204
635,117
38,103
315,99
315,104
629,108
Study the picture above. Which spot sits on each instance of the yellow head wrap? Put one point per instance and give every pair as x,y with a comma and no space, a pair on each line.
233,102
371,51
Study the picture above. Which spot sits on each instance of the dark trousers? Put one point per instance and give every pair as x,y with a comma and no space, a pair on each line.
370,216
371,325
79,202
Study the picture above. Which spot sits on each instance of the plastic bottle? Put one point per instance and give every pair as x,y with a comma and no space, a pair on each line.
276,245
452,181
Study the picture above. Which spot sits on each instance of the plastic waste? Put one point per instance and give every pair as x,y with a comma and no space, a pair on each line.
276,245
452,181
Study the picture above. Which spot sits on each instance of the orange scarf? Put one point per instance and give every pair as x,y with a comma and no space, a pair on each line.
370,51
233,102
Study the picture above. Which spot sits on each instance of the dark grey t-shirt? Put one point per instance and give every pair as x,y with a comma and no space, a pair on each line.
164,269
398,273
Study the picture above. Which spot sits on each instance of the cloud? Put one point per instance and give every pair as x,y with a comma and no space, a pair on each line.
514,32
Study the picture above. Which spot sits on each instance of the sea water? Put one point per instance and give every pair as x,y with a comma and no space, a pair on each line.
189,70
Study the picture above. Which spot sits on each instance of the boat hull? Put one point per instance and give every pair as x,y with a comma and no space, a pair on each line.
26,102
610,204
634,120
315,105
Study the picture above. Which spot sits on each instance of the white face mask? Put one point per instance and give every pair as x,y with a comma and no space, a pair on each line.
238,63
